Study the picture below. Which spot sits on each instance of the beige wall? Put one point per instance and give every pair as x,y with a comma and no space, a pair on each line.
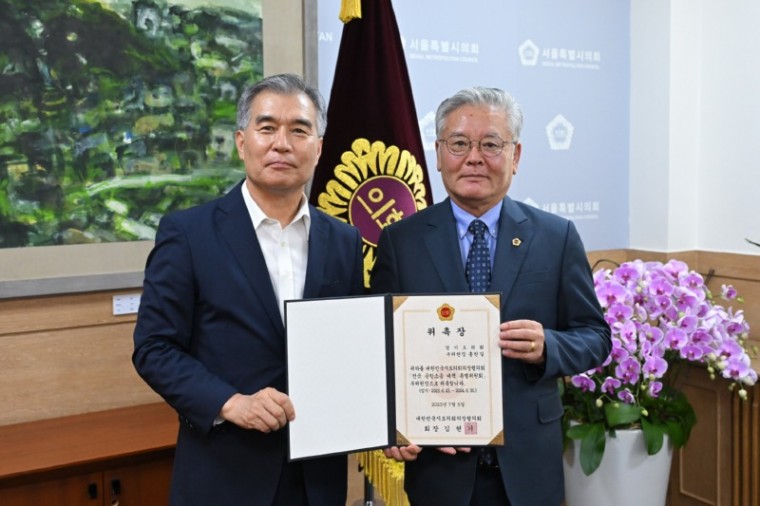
63,355
286,23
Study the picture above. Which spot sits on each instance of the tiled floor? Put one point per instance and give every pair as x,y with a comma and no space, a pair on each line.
356,486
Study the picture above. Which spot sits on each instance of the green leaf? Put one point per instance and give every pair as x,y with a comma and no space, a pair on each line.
653,435
579,431
676,432
592,448
678,417
621,414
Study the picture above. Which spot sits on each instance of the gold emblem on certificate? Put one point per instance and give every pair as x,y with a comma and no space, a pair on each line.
445,313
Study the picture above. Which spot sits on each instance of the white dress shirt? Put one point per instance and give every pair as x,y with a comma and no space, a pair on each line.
285,249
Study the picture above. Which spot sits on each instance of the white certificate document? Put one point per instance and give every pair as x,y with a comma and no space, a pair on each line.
448,370
380,370
337,375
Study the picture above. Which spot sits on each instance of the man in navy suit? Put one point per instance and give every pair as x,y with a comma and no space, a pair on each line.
210,337
552,324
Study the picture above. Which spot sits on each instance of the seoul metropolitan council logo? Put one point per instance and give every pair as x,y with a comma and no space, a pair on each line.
373,186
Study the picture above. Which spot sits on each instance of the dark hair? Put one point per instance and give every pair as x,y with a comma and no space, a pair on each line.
493,97
282,84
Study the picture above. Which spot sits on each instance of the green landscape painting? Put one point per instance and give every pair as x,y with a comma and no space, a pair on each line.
113,113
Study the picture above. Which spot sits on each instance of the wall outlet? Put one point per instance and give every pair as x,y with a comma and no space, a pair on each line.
126,304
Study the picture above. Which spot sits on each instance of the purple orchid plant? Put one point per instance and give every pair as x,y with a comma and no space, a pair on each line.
661,316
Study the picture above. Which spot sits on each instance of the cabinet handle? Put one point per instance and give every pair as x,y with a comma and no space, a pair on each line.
92,490
115,487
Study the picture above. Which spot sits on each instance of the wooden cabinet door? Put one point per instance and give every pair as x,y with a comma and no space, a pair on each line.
139,484
78,490
701,471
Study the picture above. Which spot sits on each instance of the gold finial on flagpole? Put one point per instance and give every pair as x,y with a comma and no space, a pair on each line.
350,9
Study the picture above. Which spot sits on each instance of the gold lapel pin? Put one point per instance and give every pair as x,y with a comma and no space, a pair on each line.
516,241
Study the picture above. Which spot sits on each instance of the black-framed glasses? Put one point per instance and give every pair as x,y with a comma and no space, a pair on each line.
490,145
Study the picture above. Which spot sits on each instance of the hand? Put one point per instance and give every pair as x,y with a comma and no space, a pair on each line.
523,340
450,450
402,453
267,410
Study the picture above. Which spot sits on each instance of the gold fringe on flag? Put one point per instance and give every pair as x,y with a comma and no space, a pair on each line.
386,475
350,9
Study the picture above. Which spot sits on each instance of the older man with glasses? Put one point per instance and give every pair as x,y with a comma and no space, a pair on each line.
479,240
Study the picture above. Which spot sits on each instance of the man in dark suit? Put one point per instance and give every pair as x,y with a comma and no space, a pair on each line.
210,337
552,324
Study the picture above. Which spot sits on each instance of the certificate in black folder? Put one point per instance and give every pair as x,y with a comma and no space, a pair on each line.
380,370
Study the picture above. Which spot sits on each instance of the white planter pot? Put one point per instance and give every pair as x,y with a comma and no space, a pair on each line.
627,476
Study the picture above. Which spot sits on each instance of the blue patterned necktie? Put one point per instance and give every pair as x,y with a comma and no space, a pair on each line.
478,266
478,272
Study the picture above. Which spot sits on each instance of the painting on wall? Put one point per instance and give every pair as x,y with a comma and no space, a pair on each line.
114,112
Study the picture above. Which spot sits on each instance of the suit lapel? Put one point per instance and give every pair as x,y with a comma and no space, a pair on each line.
236,228
318,240
514,239
443,247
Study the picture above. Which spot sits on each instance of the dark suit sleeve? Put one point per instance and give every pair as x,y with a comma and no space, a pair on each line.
581,339
385,275
357,280
164,332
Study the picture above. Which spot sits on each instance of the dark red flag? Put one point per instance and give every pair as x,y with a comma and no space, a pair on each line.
372,169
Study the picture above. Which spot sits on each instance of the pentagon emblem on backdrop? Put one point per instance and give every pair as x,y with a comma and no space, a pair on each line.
528,51
559,131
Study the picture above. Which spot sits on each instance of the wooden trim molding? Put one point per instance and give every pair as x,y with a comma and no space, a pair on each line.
745,462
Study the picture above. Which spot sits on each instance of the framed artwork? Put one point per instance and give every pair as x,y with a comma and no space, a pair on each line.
115,112
112,113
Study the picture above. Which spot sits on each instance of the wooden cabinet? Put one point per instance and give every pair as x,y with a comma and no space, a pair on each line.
720,465
120,457
137,484
71,491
